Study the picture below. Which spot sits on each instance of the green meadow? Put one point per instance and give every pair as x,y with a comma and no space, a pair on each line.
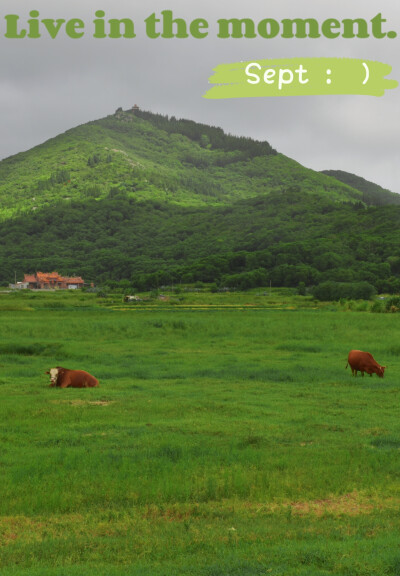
226,441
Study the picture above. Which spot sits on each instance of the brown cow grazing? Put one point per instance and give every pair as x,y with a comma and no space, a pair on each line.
64,378
364,362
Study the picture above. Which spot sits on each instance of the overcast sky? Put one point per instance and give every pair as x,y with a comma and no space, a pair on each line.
48,86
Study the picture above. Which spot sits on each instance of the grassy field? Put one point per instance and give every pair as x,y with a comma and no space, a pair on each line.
221,442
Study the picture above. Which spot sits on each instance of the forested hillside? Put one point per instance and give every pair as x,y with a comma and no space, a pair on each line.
284,238
148,156
154,200
372,194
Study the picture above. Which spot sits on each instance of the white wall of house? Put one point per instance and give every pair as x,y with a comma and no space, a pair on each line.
19,286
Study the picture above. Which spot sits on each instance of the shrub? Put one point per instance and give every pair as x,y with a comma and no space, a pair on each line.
377,307
301,289
393,304
338,290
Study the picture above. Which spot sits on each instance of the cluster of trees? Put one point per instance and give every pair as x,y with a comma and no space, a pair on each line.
372,194
208,136
95,159
198,182
349,290
59,177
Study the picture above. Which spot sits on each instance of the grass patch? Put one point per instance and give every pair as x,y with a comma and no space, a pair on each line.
219,442
32,349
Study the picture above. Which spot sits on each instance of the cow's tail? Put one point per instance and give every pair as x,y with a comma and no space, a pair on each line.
347,365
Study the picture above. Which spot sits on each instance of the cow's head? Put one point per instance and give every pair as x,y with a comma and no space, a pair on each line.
379,370
53,376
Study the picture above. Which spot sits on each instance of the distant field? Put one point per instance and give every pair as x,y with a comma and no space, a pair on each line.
221,442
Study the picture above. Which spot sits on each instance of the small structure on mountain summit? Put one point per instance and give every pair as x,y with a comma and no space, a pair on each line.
126,115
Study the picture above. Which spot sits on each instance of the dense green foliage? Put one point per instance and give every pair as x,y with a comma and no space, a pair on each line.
372,194
337,290
283,239
209,137
231,442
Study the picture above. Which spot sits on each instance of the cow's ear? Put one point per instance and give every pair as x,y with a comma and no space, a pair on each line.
47,372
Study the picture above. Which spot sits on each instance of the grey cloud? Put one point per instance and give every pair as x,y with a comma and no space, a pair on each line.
48,86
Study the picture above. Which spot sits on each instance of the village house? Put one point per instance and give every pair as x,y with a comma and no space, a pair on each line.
50,281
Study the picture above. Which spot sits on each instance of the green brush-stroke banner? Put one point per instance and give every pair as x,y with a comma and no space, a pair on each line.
300,77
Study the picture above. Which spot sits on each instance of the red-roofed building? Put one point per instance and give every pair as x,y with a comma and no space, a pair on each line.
52,280
30,280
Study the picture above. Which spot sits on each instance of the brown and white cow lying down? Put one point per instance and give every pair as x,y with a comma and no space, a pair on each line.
364,362
64,378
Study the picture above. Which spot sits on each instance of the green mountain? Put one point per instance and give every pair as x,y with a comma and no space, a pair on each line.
153,200
372,194
151,157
